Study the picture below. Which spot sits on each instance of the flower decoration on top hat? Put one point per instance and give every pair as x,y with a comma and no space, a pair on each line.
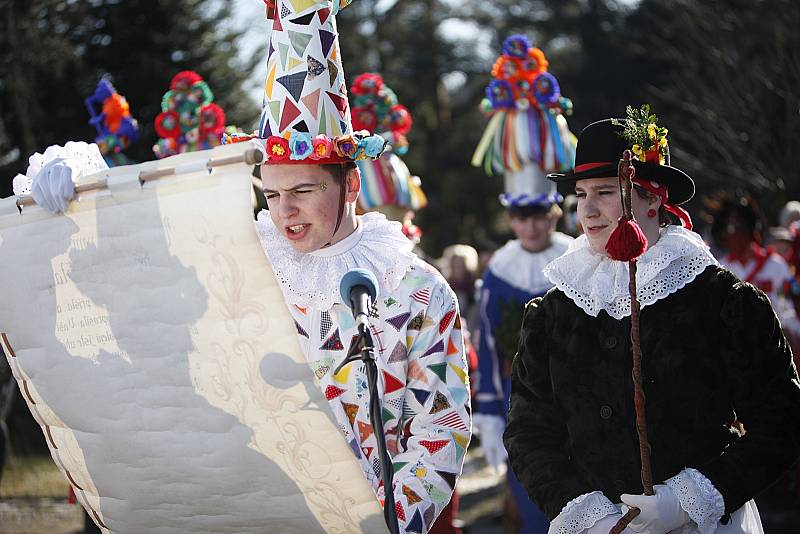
526,110
111,116
602,143
385,181
189,118
305,115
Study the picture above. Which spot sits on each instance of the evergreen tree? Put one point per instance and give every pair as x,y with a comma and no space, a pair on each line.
728,87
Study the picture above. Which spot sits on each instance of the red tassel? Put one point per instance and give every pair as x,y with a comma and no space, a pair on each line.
71,499
627,242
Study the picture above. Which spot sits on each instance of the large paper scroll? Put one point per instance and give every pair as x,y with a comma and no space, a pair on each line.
151,342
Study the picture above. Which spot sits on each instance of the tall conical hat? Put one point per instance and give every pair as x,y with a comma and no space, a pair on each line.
305,115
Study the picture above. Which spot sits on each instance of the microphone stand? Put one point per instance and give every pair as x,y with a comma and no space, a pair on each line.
363,349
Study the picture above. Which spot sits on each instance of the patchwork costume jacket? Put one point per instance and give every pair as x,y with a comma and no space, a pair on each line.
416,330
713,357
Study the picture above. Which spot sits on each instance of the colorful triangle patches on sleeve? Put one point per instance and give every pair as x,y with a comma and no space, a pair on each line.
526,111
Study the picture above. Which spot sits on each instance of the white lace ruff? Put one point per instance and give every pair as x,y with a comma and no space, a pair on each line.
522,269
83,158
312,280
581,513
595,282
699,498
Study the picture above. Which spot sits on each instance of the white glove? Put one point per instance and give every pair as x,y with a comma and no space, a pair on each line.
490,429
660,513
52,187
604,526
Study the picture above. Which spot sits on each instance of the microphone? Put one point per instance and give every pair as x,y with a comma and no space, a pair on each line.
359,289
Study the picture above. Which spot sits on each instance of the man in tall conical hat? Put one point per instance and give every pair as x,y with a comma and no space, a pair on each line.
312,236
526,137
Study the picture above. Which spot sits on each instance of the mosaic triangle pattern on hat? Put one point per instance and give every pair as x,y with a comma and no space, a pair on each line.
385,182
526,114
305,37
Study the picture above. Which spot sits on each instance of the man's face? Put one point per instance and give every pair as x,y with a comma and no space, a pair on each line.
533,231
303,202
599,209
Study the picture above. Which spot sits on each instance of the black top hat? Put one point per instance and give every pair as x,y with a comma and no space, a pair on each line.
600,147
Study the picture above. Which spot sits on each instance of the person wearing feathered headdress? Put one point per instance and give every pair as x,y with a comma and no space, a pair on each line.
527,136
650,382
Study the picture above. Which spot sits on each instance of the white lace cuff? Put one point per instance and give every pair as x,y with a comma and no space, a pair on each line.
581,513
698,496
84,158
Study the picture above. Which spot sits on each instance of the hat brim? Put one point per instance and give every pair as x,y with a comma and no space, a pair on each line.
680,184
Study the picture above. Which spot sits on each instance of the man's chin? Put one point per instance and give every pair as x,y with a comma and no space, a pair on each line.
598,245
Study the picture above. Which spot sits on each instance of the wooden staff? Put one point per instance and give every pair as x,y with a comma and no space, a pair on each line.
625,173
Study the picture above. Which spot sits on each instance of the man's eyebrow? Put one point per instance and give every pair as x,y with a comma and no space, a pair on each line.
596,187
295,188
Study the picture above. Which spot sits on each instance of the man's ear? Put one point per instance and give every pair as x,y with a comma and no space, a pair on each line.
353,181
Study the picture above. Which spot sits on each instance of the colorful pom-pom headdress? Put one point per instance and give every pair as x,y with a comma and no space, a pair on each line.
110,114
189,118
305,118
527,134
385,181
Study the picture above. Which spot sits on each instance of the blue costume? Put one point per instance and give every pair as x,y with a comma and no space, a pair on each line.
513,275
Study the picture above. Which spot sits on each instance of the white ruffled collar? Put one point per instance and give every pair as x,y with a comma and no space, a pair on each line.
312,280
595,282
522,269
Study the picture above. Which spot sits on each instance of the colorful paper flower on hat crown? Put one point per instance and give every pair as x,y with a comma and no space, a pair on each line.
184,80
501,95
516,46
111,116
300,145
641,131
189,118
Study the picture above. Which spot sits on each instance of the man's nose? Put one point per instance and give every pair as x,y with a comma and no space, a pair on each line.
590,207
286,206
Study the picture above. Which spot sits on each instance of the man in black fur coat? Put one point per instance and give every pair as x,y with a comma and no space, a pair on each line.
722,392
